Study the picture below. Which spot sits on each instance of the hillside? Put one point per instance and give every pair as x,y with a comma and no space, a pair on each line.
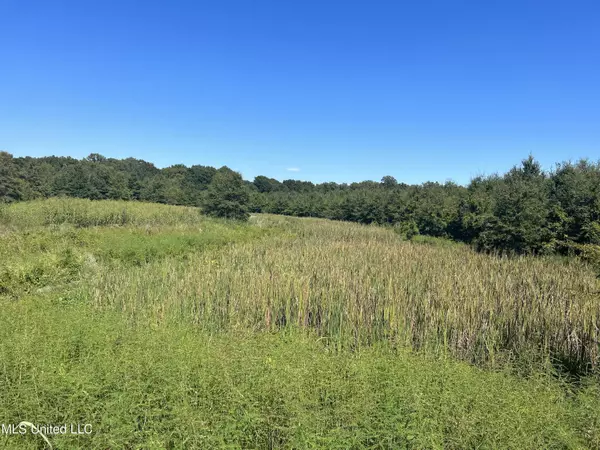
526,210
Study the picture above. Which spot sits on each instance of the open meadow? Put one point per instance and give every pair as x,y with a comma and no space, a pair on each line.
163,328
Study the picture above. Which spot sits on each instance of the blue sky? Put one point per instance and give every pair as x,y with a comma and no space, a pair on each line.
339,90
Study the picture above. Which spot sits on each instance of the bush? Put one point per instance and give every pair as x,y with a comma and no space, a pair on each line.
407,229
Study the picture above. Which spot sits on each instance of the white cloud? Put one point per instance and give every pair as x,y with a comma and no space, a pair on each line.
293,169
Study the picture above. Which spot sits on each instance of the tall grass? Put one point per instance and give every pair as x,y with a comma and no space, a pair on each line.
353,284
34,260
88,213
166,329
356,285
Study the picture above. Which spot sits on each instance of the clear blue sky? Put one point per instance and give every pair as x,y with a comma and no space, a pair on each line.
338,90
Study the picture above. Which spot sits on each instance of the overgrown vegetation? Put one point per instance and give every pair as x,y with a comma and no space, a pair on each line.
525,210
174,330
171,387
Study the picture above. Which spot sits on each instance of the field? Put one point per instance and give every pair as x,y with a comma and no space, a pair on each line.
166,329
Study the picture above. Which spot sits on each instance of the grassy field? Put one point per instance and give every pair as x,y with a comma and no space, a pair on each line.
165,329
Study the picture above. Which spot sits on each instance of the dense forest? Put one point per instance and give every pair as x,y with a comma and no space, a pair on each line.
526,210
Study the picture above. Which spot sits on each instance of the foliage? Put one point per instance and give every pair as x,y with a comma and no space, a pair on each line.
226,196
407,229
525,210
175,330
10,188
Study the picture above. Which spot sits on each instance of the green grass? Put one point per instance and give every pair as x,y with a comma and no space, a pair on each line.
167,329
435,241
89,213
173,387
46,258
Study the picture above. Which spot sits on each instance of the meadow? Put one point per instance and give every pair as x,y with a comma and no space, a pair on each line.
167,329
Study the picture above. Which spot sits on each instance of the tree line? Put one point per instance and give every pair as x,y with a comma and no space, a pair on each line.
526,210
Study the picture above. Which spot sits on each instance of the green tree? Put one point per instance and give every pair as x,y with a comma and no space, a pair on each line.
264,184
226,196
575,195
10,185
389,182
521,212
